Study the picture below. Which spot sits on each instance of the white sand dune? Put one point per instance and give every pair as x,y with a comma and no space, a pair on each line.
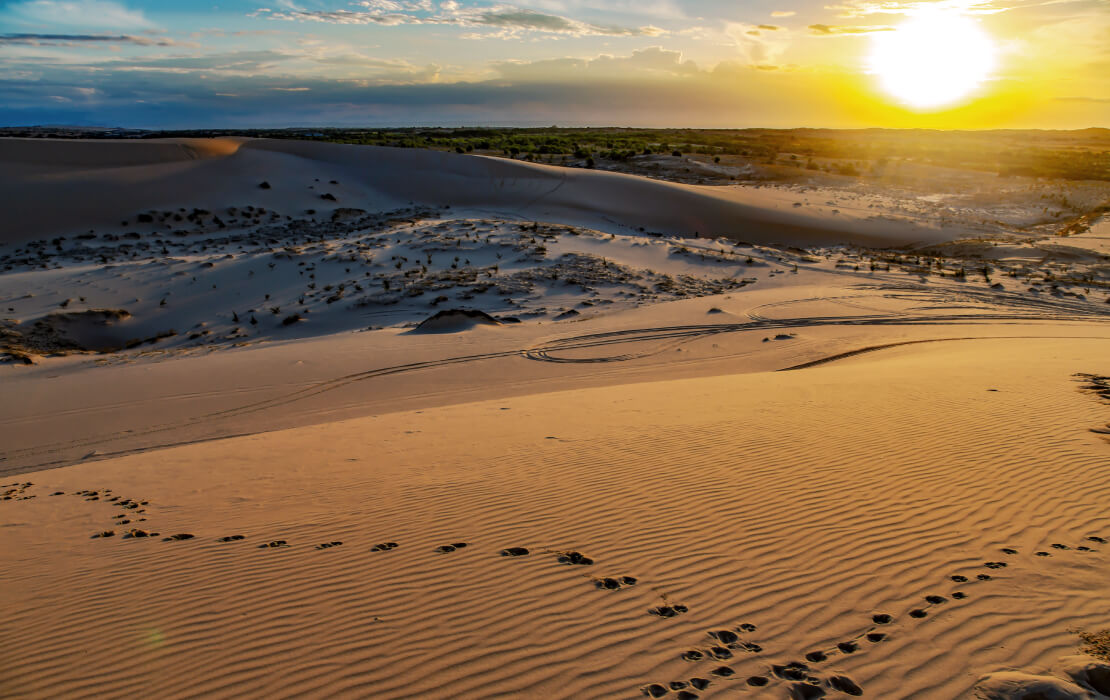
64,193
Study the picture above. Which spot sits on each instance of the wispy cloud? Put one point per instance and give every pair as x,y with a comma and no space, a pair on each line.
505,18
830,30
85,14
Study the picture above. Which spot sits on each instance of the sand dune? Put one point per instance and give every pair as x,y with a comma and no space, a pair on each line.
716,494
217,173
465,431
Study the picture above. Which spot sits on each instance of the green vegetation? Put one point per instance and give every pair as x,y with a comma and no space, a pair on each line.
1070,155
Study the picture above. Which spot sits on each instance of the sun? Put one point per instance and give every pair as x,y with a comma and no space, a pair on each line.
933,60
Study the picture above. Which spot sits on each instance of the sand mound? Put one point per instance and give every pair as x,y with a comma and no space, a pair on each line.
101,181
455,321
1074,678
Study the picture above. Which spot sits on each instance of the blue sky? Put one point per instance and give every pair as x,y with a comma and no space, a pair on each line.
702,63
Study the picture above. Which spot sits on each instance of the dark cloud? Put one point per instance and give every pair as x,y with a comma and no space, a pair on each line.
141,99
81,39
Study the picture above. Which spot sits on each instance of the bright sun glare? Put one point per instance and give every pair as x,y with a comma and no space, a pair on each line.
933,60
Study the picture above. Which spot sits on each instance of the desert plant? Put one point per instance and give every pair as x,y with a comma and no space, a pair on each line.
1096,644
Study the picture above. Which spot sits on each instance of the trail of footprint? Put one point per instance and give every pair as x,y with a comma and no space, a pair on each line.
805,682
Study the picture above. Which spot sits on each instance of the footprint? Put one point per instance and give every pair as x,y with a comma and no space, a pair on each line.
692,655
882,619
179,536
700,683
445,548
610,583
720,653
655,690
686,695
328,545
983,577
1095,538
1042,554
135,532
232,538
995,564
816,657
757,681
384,547
725,636
747,627
669,610
875,637
723,671
848,647
1057,545
575,558
935,599
845,685
793,671
1084,548
959,595
515,552
105,533
274,544
1008,550
805,691
918,613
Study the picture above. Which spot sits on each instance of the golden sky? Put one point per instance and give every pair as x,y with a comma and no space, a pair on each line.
696,63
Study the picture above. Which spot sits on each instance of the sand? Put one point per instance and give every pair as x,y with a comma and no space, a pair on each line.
716,477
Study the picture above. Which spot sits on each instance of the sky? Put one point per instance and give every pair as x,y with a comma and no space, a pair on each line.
167,64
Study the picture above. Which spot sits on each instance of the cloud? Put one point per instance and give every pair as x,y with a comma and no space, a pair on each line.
783,13
864,8
507,19
85,39
827,30
84,14
246,62
654,62
769,27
